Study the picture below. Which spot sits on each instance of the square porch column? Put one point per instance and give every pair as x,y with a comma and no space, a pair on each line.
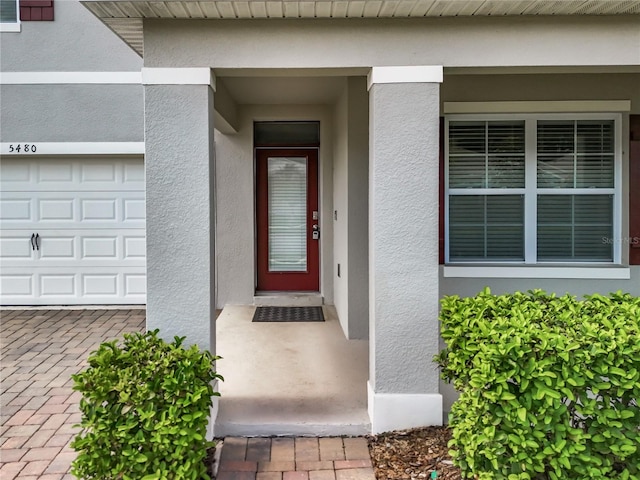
180,178
404,106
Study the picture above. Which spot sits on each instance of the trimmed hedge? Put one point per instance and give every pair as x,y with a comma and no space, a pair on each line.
145,409
549,385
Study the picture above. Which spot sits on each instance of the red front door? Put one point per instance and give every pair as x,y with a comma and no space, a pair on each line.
288,223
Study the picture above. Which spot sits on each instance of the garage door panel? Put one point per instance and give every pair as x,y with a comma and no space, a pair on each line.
100,247
133,173
17,174
134,247
82,248
22,210
134,210
58,248
49,174
14,209
84,286
52,174
16,246
19,286
94,284
98,209
92,172
86,248
89,218
57,285
135,285
56,210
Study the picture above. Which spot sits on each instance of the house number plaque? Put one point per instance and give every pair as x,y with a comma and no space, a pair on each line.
17,148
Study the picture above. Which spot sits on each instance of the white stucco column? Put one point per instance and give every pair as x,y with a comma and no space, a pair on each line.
403,247
180,175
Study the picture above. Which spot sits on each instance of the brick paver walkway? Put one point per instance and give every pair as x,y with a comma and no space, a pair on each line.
40,349
302,458
38,408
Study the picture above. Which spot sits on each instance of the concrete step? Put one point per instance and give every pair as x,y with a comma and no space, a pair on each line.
288,299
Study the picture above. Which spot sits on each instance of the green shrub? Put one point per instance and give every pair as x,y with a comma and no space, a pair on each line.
549,385
145,408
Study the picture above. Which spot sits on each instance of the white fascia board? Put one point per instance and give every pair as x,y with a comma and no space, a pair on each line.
569,106
179,76
583,273
62,78
407,74
71,148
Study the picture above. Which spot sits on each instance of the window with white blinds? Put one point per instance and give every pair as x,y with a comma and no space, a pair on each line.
287,192
9,11
532,190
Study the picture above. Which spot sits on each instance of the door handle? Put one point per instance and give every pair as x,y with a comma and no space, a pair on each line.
33,245
37,239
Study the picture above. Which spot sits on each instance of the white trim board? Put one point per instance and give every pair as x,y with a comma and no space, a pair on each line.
569,106
413,74
179,76
399,411
65,78
72,148
583,273
10,27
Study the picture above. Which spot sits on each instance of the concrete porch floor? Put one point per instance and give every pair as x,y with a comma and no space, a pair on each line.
290,379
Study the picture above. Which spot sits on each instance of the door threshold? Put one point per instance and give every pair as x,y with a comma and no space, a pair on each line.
288,299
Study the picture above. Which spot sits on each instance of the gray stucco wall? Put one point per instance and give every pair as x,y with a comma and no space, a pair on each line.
75,41
403,237
358,192
341,210
72,113
180,178
235,231
334,43
542,87
350,207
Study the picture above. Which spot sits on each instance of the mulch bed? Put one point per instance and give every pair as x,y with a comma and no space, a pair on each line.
415,453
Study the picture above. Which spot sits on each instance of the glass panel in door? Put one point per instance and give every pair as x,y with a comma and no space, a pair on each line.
287,192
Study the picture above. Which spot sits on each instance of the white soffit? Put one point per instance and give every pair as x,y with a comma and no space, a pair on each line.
124,17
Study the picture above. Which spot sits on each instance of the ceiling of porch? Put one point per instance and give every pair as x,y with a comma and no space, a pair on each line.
124,17
284,90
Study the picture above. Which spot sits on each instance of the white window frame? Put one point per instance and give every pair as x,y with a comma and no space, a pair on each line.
530,190
12,26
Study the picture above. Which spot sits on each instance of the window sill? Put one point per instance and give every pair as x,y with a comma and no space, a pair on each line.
609,272
10,27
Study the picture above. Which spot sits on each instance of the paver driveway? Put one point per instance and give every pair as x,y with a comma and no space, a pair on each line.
40,351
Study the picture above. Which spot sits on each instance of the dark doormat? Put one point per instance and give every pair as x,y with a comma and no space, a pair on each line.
288,314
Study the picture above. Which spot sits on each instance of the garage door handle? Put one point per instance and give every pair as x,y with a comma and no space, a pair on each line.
33,245
37,239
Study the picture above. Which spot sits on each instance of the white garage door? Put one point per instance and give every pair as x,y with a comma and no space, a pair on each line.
72,231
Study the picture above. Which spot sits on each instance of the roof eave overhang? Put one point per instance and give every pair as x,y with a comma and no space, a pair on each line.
125,17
